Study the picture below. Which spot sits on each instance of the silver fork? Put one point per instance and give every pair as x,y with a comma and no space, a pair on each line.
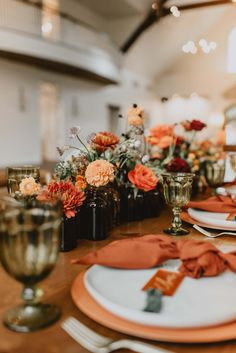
99,344
211,235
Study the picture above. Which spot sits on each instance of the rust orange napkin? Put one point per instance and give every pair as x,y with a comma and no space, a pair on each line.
222,204
133,253
199,258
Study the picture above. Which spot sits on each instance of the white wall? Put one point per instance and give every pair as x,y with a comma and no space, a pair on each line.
19,115
82,103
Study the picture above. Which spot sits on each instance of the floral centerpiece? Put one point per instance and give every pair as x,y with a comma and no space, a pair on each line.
91,168
135,178
175,148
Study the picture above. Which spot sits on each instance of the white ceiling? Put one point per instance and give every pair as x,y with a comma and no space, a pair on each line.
110,9
160,46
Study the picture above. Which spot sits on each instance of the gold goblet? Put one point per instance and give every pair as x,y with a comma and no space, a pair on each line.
16,174
29,247
215,173
177,189
233,162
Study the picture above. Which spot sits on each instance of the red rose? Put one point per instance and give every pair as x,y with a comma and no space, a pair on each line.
197,125
143,178
178,165
179,140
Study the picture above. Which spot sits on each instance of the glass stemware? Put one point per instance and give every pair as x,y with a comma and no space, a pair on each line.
233,162
177,189
16,174
29,247
215,173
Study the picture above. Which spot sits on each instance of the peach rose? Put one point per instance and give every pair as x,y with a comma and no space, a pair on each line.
162,142
29,187
160,131
143,178
161,136
99,173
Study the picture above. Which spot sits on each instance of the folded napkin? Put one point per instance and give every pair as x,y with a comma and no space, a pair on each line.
133,253
199,258
221,204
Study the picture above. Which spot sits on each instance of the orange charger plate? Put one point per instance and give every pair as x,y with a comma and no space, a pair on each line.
92,309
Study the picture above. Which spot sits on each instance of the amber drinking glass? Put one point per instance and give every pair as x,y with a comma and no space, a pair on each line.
177,189
233,163
215,173
29,247
16,174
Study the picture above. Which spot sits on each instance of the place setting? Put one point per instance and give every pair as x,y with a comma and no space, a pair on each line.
217,212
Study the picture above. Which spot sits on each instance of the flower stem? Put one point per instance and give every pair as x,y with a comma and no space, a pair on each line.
84,146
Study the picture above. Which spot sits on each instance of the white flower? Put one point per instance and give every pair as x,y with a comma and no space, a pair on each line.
123,148
145,158
137,143
75,130
29,187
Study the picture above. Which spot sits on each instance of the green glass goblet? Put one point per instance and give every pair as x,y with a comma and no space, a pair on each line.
233,162
29,248
215,172
177,189
15,175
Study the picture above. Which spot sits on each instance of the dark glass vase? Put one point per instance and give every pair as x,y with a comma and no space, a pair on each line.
132,206
152,204
95,215
114,205
68,240
199,184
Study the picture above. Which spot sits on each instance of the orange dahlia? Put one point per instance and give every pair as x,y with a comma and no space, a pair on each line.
80,182
104,140
99,173
72,198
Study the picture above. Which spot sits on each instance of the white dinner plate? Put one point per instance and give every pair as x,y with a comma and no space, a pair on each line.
226,190
196,303
212,218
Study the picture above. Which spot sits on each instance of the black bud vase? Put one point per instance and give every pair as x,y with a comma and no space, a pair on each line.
95,220
132,207
152,204
68,239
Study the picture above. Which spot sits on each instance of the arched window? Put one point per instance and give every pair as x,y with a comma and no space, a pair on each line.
231,64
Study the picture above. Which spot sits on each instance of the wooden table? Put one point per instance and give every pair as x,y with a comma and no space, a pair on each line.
57,290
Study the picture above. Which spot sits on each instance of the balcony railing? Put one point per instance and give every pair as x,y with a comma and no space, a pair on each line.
44,35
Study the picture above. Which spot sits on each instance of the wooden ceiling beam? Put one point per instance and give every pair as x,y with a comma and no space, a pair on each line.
153,16
158,11
199,5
